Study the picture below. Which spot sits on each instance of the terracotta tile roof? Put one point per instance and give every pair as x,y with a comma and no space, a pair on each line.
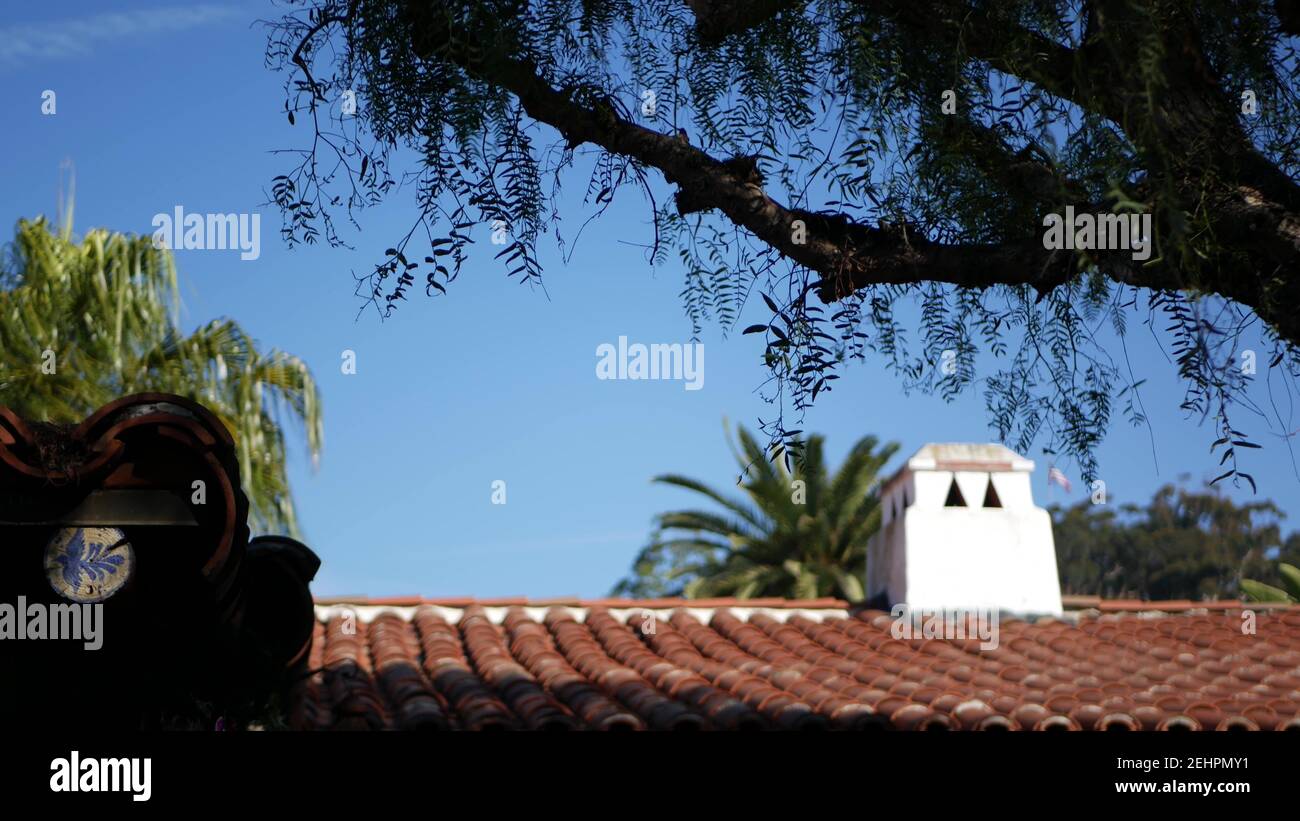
411,663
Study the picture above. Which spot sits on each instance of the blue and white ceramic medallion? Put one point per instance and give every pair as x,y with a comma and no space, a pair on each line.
88,564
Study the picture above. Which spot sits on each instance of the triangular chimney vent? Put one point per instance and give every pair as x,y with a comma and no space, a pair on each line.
991,496
955,499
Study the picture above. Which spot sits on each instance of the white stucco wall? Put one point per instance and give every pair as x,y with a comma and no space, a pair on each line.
970,557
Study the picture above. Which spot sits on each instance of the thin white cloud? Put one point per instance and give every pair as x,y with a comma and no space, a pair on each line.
61,39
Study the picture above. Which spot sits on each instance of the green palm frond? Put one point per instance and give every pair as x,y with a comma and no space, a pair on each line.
753,517
1289,592
771,545
107,310
1290,579
813,472
738,534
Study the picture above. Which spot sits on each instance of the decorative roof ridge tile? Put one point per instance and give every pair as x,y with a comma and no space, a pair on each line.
397,601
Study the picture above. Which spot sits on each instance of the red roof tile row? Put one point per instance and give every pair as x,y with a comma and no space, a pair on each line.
585,668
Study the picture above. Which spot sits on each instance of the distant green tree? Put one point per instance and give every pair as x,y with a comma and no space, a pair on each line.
106,311
786,539
1184,544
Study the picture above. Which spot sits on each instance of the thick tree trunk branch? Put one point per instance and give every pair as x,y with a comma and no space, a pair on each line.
1064,72
717,19
1008,48
1194,133
848,255
1255,220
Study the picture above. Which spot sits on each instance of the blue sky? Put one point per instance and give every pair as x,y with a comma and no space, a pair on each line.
160,105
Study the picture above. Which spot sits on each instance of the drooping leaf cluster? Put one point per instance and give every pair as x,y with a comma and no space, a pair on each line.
843,109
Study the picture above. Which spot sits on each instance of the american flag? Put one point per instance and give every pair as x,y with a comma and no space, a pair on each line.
1055,475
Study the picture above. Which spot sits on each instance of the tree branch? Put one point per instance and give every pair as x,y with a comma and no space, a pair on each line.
715,20
1006,46
847,255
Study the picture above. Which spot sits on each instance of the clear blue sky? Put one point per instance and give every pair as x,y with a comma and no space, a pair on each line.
163,105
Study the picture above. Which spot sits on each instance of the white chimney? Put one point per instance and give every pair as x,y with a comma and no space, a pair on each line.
960,530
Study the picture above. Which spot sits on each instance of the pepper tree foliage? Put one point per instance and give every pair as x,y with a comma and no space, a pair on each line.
799,150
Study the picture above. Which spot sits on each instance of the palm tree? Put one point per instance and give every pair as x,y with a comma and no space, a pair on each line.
787,539
84,323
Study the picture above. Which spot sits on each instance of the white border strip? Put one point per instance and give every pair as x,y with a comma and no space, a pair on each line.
368,612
